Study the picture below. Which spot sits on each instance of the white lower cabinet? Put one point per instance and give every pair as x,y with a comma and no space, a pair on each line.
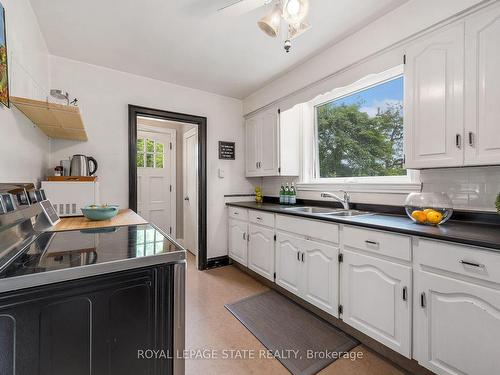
457,317
320,271
237,241
261,250
376,299
308,269
288,264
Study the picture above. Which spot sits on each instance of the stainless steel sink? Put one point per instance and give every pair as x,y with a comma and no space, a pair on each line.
328,211
349,213
313,210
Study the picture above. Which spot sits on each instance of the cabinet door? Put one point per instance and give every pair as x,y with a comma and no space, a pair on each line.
457,326
320,272
66,327
482,87
269,144
238,241
261,250
131,325
288,264
376,299
433,105
252,146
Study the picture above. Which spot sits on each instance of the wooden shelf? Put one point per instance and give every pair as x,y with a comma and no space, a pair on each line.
55,120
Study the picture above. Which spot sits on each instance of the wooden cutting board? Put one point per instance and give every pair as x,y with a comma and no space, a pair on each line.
72,178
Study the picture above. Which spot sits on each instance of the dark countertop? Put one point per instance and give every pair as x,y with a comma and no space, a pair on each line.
470,233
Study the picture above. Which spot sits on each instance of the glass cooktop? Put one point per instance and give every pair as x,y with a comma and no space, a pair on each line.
62,250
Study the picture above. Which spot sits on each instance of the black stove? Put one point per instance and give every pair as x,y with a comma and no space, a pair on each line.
53,251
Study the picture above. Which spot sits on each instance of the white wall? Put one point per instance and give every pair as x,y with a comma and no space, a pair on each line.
104,95
24,149
405,21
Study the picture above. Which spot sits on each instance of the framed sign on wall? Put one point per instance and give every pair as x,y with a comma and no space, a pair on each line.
227,150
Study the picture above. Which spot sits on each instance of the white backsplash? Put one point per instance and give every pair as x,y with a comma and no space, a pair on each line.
471,188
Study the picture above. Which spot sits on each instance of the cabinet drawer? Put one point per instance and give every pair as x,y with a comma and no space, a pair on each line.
238,213
374,241
260,217
310,228
461,259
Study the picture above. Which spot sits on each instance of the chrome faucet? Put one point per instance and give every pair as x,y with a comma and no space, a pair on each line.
345,201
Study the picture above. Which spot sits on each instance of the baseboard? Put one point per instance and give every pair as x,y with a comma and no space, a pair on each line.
218,262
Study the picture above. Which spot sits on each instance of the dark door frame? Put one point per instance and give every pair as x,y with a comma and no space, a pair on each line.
201,122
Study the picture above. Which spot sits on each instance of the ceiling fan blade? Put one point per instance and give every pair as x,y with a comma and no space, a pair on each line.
242,6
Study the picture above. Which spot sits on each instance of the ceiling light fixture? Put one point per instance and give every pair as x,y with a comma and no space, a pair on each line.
294,11
270,24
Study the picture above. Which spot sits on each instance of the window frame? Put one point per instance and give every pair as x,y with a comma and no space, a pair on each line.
367,82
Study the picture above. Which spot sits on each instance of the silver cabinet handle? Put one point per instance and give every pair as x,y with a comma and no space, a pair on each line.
405,293
257,164
423,301
303,261
472,264
236,213
298,256
258,218
244,236
458,141
471,139
368,242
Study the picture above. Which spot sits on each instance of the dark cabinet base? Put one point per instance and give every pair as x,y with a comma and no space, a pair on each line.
95,325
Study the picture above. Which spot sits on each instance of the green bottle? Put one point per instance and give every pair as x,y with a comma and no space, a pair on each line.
282,194
286,199
293,195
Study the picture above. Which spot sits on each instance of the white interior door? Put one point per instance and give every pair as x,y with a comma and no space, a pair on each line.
190,156
156,177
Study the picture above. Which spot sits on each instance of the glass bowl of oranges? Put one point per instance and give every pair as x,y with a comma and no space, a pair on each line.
429,208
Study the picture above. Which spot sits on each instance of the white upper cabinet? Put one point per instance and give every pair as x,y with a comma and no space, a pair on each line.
272,146
433,103
252,135
482,88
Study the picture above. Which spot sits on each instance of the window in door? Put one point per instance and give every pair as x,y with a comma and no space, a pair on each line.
150,153
359,131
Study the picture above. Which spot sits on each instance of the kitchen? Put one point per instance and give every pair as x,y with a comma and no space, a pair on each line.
390,250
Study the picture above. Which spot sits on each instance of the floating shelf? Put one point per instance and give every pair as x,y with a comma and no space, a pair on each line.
55,120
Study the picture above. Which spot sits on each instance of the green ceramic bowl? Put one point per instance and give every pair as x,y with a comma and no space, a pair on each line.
98,213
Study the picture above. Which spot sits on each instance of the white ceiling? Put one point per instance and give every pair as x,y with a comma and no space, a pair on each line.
189,43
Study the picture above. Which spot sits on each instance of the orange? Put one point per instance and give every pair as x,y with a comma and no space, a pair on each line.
427,210
419,216
434,217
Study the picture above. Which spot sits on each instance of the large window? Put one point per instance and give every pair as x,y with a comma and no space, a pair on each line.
360,133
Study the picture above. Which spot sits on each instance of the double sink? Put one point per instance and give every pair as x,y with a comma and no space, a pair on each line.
325,211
